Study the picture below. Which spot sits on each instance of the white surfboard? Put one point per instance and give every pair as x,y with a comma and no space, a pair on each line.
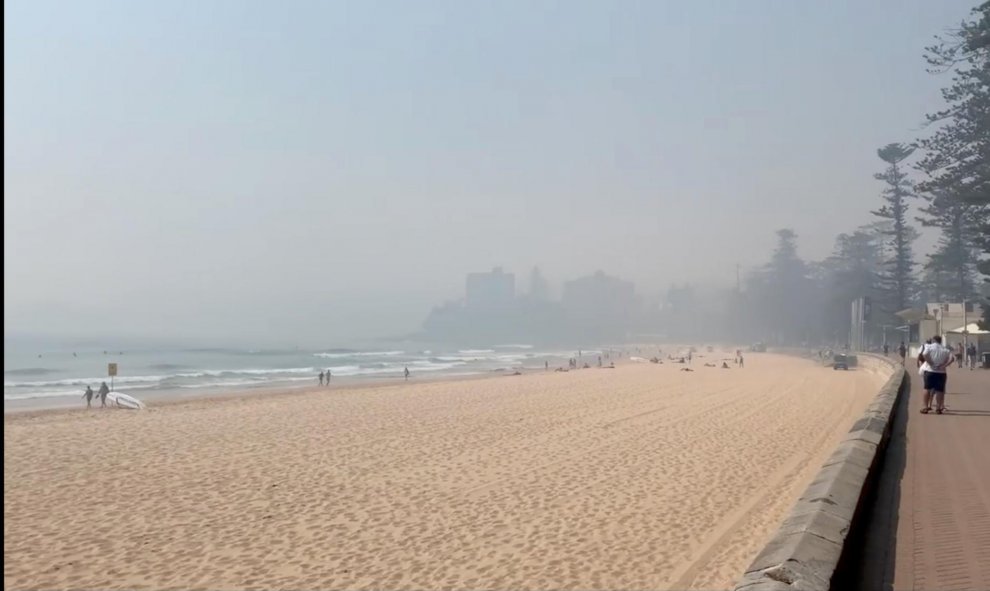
121,400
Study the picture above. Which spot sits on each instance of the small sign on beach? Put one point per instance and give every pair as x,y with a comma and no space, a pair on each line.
111,369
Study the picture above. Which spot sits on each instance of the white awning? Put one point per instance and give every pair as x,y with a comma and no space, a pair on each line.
971,328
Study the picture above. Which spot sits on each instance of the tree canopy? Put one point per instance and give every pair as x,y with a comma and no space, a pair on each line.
956,154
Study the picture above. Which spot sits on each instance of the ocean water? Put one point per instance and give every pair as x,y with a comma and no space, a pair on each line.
63,373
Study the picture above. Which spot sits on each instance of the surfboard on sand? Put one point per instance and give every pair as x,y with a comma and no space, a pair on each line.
121,400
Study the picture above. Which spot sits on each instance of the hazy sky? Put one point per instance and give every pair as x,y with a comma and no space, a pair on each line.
309,172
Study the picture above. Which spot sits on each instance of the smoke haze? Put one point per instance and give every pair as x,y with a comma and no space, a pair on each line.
316,172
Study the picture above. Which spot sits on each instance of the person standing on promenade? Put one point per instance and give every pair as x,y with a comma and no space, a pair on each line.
902,351
321,377
921,353
937,358
971,356
923,368
88,395
960,355
886,349
104,390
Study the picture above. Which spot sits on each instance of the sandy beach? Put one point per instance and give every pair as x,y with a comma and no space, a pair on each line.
639,477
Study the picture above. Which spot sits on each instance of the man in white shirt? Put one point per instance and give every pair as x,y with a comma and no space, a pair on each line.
935,359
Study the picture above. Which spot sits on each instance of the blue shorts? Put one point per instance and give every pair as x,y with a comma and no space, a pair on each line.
935,381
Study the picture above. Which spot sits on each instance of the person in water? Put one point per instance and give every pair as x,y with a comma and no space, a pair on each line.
88,395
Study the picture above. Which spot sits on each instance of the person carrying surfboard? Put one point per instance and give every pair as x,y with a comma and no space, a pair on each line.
104,390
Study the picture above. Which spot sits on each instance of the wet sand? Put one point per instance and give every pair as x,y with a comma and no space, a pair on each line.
641,477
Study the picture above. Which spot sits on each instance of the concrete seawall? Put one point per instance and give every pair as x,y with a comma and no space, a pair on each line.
806,552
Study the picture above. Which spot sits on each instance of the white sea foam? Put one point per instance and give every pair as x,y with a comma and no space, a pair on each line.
265,372
226,384
43,394
220,369
83,381
511,357
359,354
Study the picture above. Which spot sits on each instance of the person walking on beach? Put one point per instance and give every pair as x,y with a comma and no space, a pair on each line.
88,395
405,372
328,377
546,366
321,377
971,356
935,359
740,360
104,390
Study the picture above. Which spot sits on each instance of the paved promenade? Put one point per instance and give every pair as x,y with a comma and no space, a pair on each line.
929,527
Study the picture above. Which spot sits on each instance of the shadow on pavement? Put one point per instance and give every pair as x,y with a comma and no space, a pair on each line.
869,556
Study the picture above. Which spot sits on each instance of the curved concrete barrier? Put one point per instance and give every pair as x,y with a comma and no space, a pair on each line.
804,553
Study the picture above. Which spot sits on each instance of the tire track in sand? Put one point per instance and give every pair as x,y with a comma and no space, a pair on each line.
684,576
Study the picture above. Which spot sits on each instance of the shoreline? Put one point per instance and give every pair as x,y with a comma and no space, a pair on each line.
162,398
178,378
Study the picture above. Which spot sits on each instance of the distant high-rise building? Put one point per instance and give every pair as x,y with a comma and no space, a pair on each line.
494,290
539,289
600,303
598,293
